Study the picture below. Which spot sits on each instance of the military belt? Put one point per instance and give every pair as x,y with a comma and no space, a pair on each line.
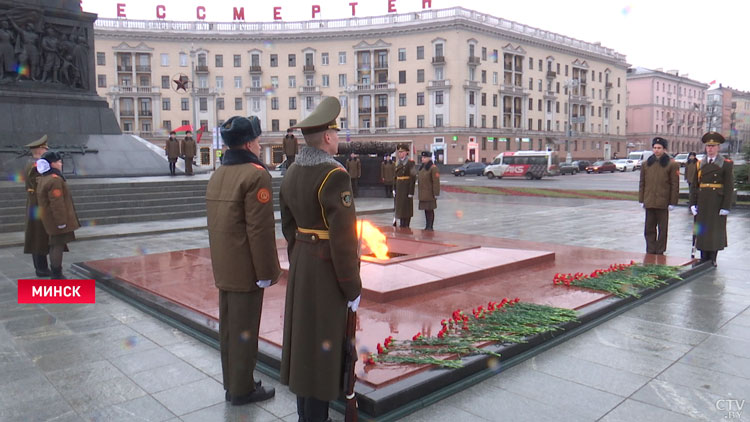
711,185
313,234
403,178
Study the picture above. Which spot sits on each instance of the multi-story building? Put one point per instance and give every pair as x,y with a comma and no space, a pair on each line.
668,105
728,113
463,84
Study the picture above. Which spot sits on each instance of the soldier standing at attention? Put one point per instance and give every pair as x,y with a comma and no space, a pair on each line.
387,174
289,145
319,223
406,177
36,239
242,240
711,193
172,149
429,188
658,193
188,150
354,167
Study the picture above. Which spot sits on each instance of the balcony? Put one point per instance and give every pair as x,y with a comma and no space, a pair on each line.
438,60
254,90
441,84
309,90
365,110
473,61
127,89
127,113
381,64
607,102
551,74
124,68
201,69
471,84
381,86
381,109
512,90
144,113
143,68
608,85
255,70
308,68
203,91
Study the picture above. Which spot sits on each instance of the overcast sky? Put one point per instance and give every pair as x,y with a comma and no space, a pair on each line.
706,40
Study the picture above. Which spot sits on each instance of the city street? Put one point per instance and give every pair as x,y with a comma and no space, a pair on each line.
627,181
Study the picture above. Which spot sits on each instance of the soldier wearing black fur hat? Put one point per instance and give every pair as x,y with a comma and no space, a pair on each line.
188,150
318,220
429,188
172,149
711,198
36,239
57,210
242,239
658,193
406,178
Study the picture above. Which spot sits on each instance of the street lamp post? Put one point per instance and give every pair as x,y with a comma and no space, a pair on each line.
570,84
192,86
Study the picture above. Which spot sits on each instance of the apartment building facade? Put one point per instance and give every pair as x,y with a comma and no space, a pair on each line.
463,84
728,112
668,105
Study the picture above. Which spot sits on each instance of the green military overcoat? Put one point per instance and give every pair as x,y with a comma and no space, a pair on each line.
354,167
711,190
36,239
659,184
429,186
404,180
188,148
316,202
387,172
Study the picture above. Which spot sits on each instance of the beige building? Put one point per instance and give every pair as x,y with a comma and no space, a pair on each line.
460,83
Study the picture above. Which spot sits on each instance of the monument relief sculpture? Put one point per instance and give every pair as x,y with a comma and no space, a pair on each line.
7,52
28,52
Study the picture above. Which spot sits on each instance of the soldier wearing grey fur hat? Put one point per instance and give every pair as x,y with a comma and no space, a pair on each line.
658,192
405,180
429,188
318,221
36,239
242,238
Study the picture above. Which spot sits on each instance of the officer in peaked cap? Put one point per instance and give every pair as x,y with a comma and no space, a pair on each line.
36,239
405,181
429,188
711,192
241,236
318,220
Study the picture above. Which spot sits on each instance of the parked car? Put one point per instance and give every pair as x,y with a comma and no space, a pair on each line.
470,168
582,164
681,158
569,168
624,164
601,167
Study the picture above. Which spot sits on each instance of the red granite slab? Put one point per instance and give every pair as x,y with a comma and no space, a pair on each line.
185,277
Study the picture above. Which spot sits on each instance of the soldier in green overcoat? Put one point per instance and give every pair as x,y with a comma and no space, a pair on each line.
36,239
387,175
711,198
429,188
319,223
405,179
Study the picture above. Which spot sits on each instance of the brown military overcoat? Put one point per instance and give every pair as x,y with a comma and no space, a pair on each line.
36,239
188,148
405,179
354,167
387,172
659,185
323,273
711,190
289,145
429,186
56,204
173,149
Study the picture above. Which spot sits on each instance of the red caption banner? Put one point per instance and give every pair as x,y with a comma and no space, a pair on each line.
56,291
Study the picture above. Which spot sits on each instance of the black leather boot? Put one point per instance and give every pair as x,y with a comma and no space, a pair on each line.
57,274
40,265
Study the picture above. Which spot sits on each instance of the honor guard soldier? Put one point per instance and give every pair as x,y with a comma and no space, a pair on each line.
172,149
36,239
429,188
711,193
188,150
289,146
405,179
658,193
242,239
387,174
318,220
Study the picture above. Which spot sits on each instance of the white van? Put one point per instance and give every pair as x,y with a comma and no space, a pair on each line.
639,157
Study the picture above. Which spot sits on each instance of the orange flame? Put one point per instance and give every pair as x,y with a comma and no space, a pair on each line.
373,238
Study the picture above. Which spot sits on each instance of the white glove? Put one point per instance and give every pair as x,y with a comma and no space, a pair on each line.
694,209
641,204
670,207
723,212
354,304
62,226
411,196
263,283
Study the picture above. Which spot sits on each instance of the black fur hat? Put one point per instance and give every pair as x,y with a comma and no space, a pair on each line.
239,130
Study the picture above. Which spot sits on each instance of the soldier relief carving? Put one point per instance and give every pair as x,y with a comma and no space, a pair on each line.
33,50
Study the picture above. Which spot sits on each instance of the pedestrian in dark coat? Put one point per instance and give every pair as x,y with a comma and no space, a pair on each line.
36,239
406,178
242,239
172,149
711,198
387,174
354,168
658,193
188,151
57,209
429,188
318,221
289,146
691,167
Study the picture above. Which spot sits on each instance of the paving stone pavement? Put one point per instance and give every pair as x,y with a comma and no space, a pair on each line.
684,355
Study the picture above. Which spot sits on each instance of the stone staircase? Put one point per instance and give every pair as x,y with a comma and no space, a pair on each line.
99,203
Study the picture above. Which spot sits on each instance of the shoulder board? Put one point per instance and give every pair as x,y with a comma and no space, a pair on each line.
258,166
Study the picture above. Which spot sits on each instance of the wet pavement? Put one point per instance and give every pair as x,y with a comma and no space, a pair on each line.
684,355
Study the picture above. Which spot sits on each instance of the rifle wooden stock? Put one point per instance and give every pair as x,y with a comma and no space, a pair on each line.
350,360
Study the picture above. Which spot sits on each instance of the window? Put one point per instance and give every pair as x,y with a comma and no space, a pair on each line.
165,82
185,123
219,59
402,122
494,126
420,121
255,60
237,103
101,59
484,53
309,103
484,76
292,103
420,98
494,78
292,60
438,73
220,82
238,81
471,98
292,82
420,75
101,81
484,120
484,99
275,103
531,63
494,56
237,60
402,76
439,97
167,125
494,100
292,122
420,52
401,54
342,79
165,104
402,100
324,59
540,85
220,103
275,125
203,101
531,104
325,81
275,82
539,105
184,104
438,120
165,59
274,60
183,59
342,57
